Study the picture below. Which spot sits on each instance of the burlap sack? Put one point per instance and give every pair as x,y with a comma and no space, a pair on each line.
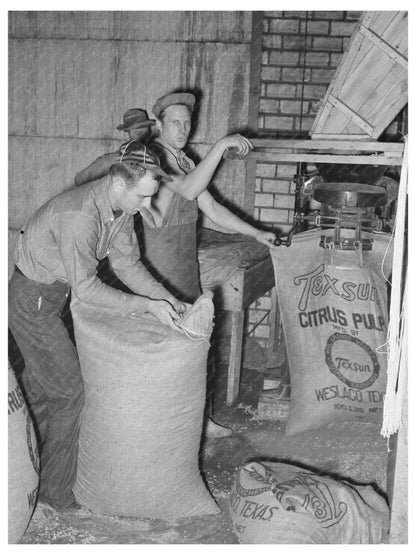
142,420
335,318
23,462
277,503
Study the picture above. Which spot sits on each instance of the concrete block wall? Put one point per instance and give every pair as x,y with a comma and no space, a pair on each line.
300,54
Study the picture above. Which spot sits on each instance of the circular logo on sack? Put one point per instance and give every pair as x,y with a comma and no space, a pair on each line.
351,360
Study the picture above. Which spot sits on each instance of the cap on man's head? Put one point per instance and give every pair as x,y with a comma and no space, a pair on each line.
135,118
173,98
136,153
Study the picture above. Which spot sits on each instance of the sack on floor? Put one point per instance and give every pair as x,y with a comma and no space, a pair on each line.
142,422
23,462
334,316
277,503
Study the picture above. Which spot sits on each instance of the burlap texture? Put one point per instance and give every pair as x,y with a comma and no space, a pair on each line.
23,462
277,503
142,421
335,320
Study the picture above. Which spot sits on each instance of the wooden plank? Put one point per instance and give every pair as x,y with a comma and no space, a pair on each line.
370,83
336,136
397,480
328,145
167,26
367,17
236,347
385,47
337,81
390,26
379,98
250,185
377,160
272,342
255,71
45,73
245,286
356,118
395,105
228,295
397,476
257,280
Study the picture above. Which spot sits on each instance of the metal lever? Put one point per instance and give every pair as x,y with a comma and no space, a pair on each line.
287,241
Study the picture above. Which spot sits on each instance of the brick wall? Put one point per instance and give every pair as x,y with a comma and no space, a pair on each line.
300,53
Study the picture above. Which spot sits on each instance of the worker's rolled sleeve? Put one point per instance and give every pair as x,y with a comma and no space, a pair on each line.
65,239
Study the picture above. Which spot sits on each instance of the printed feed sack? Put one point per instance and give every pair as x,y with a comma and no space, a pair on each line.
334,313
23,467
278,503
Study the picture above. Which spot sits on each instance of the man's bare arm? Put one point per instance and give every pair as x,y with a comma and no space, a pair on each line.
192,185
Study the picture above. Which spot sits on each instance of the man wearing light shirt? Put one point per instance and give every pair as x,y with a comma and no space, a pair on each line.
58,251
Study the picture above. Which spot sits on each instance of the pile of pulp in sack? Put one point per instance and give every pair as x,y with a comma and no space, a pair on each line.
142,423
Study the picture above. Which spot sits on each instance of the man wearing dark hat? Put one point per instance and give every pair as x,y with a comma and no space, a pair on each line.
170,249
137,125
57,251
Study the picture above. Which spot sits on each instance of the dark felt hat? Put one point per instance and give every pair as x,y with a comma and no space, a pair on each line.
135,118
173,98
137,153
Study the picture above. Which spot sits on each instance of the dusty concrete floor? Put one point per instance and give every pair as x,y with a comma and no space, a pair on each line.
348,450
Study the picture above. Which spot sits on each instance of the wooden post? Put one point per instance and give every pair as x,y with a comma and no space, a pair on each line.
234,365
255,70
397,481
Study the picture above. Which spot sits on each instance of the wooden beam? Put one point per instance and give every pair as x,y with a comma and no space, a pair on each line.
397,481
255,70
328,145
236,347
375,160
327,152
335,136
383,45
250,185
351,114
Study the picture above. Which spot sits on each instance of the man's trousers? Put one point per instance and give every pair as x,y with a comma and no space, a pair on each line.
51,380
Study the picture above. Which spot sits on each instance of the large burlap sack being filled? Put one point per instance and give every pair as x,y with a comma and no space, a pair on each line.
23,462
334,315
142,421
277,503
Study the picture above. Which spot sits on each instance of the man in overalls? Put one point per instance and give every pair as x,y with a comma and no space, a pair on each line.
57,251
185,186
170,246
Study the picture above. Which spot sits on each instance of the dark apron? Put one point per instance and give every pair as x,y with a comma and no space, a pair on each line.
170,255
169,251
